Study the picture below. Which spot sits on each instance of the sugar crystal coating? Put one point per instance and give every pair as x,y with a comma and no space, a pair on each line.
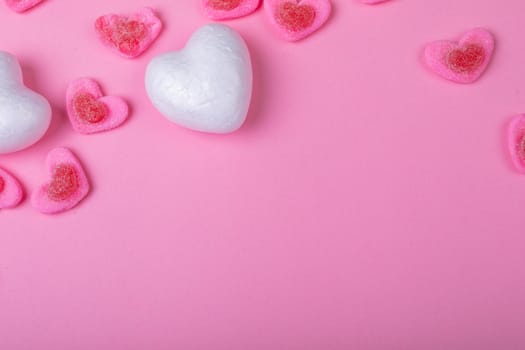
224,5
228,9
521,147
88,109
463,61
129,35
124,34
466,59
295,17
64,183
67,186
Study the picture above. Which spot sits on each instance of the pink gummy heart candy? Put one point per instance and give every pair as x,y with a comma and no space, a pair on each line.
228,9
297,19
11,192
516,142
129,35
22,5
463,61
372,1
67,186
90,111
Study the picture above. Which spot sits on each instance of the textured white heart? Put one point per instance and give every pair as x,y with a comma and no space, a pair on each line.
24,114
207,86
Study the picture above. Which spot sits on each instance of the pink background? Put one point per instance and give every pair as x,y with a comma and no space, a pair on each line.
366,203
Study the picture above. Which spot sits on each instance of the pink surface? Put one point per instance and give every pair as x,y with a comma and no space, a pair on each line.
366,204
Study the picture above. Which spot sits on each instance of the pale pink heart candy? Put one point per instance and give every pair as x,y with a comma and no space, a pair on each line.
11,192
129,35
90,111
67,186
516,141
297,19
372,1
228,9
463,61
22,5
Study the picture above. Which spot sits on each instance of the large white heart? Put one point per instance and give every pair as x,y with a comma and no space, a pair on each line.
207,86
24,114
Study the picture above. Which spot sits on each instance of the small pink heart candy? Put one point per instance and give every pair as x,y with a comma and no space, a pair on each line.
22,5
516,141
371,2
11,192
228,9
463,61
297,19
67,186
90,111
129,35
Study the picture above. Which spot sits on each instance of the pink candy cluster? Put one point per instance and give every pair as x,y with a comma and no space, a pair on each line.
90,111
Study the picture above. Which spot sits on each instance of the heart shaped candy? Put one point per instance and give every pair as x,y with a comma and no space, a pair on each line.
66,188
227,9
516,142
90,111
463,61
372,1
297,19
22,5
207,86
129,35
11,192
24,114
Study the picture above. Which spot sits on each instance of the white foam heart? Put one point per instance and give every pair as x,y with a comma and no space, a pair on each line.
24,114
207,86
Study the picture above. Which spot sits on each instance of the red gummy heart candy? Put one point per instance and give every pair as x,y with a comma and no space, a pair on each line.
68,184
123,34
88,109
129,35
466,59
295,17
64,183
462,61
